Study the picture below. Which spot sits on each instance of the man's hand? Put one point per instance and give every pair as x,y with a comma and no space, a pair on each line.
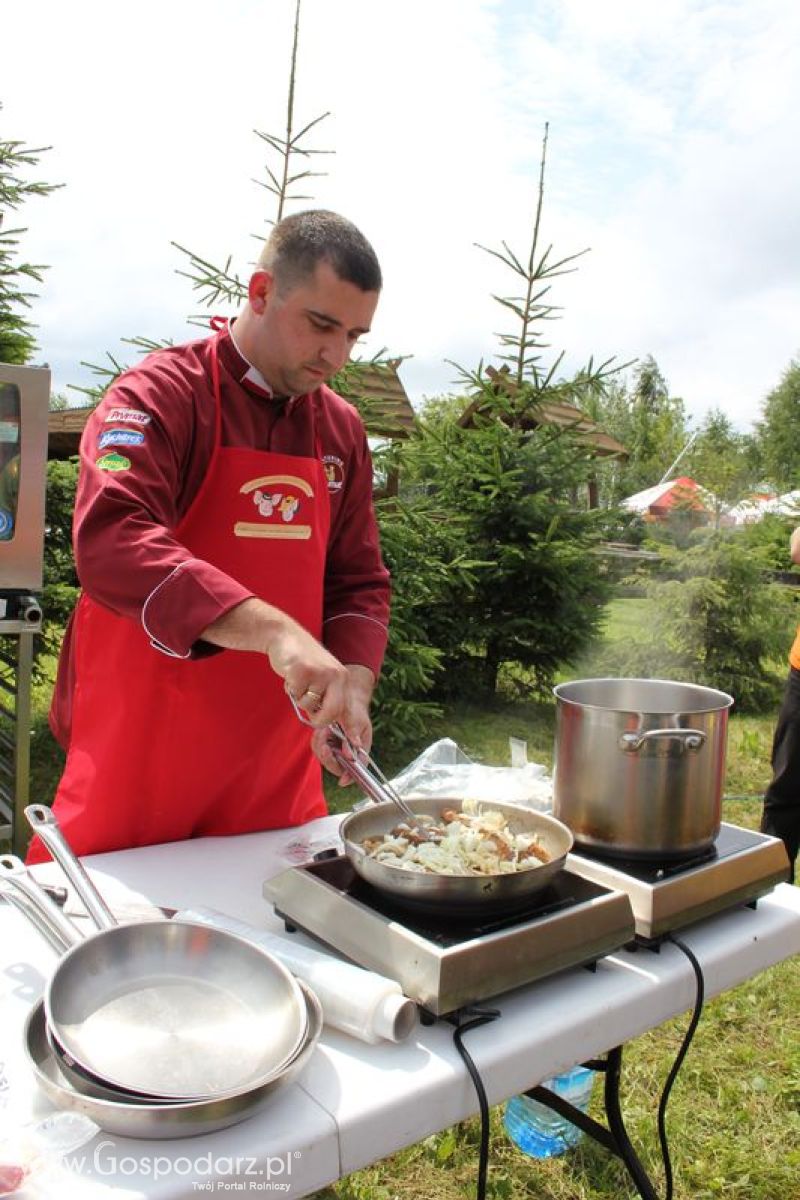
316,680
357,724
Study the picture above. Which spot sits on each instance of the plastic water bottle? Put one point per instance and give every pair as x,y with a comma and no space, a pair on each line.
539,1131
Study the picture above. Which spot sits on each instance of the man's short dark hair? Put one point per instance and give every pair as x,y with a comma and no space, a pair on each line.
299,242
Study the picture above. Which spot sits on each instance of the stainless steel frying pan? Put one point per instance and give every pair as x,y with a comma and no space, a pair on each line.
127,1118
113,972
166,1009
130,1116
459,894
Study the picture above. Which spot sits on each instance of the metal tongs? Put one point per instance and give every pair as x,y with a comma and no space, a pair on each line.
366,773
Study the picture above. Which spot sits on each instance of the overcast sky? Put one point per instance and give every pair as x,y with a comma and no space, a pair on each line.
673,156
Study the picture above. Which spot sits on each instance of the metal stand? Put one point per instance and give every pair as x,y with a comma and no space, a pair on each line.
615,1137
16,666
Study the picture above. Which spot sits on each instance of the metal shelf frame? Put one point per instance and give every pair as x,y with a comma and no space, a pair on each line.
16,670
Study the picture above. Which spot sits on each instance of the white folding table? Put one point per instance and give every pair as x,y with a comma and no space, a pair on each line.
355,1103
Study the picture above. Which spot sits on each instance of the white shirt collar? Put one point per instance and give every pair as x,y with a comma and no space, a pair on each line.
252,374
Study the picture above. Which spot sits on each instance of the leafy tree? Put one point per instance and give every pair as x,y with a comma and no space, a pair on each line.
215,283
61,586
649,422
769,539
428,564
777,432
17,341
17,345
719,623
719,461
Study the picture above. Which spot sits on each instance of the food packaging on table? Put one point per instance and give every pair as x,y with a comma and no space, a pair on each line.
443,770
355,1001
31,1151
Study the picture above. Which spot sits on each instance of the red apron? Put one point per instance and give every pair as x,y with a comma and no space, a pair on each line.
164,749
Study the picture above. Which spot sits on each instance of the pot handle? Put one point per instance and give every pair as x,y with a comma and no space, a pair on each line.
692,739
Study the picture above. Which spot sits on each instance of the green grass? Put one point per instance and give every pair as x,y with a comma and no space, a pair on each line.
627,618
733,1118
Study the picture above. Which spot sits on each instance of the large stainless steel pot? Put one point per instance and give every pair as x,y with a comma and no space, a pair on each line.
640,765
456,894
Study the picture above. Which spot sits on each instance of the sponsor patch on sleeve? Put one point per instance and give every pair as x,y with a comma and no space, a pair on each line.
120,437
127,416
113,462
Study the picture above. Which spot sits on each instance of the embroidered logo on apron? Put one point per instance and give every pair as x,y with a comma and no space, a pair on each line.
277,499
334,472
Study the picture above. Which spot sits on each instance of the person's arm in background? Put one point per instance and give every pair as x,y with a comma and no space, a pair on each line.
794,545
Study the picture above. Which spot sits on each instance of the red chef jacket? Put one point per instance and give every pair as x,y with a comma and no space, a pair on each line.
159,418
161,435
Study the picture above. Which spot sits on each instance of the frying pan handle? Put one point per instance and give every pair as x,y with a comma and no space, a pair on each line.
35,903
43,823
34,917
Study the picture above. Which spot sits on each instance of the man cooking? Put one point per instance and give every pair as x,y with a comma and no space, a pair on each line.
223,518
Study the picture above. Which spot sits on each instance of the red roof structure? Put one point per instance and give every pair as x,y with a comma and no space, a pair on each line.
656,503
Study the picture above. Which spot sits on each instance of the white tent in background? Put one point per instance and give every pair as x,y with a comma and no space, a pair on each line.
788,504
748,511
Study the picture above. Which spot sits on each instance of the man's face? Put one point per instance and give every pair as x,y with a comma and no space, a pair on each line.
307,334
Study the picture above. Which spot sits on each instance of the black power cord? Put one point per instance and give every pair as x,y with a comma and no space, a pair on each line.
471,1018
676,1066
474,1018
615,1137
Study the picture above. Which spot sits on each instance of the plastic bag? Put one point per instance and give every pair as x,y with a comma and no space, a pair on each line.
31,1153
443,770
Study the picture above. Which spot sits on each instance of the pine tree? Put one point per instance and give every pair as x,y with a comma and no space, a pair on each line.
215,283
17,341
529,591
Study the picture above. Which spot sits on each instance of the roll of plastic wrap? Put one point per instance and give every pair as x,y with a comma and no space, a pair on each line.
358,1002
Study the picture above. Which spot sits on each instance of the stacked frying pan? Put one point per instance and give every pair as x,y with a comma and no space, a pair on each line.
158,1028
